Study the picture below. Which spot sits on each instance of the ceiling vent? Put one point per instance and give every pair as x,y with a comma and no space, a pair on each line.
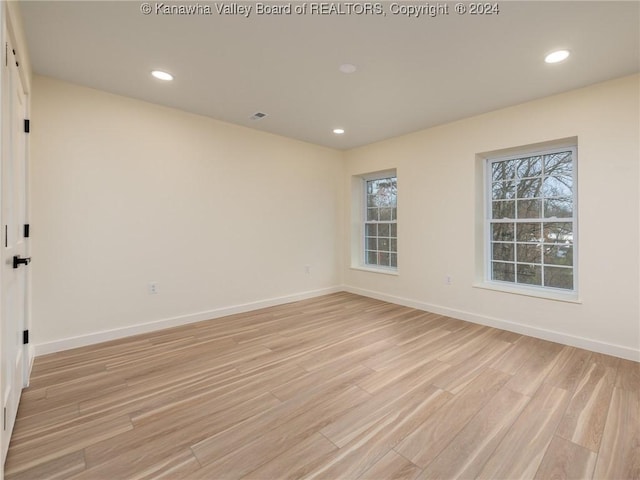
258,116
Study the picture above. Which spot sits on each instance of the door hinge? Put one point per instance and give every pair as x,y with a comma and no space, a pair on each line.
27,125
25,337
27,230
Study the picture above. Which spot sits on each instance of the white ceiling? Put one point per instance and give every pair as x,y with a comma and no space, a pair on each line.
413,73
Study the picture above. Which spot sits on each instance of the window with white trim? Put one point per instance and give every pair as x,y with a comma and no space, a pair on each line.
531,219
380,222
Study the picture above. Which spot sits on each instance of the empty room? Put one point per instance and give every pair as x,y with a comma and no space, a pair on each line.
322,240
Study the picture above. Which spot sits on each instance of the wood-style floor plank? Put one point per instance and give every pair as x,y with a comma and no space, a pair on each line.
470,449
628,375
252,453
535,369
619,455
350,425
392,467
60,468
565,459
521,450
569,369
431,437
586,415
518,353
381,433
296,462
455,379
335,387
140,449
71,437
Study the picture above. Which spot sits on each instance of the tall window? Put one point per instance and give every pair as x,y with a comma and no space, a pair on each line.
531,219
380,223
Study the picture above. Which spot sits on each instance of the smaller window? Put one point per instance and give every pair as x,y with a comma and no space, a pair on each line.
381,222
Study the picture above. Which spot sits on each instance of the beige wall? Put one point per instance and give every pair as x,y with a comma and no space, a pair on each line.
125,193
225,218
437,200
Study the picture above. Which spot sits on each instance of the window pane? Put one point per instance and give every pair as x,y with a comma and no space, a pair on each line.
529,274
383,230
385,214
371,201
530,167
503,272
394,260
558,232
393,230
394,213
530,188
371,188
502,232
558,187
529,232
558,277
529,208
504,209
558,207
503,190
393,245
503,170
372,214
371,230
384,259
503,251
372,243
558,255
372,258
383,191
558,164
529,253
383,244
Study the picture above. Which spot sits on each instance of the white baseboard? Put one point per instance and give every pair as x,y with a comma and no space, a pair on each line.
107,335
551,335
31,356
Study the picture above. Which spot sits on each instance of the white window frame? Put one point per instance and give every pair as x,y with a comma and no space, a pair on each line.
359,219
522,288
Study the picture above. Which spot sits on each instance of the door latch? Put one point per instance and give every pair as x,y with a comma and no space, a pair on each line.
17,261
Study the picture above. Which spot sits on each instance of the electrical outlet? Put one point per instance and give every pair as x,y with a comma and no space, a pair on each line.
307,269
154,289
448,280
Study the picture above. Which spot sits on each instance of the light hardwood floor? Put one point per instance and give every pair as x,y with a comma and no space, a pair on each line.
337,387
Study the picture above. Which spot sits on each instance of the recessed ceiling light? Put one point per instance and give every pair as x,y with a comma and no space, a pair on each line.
557,56
347,68
160,75
338,131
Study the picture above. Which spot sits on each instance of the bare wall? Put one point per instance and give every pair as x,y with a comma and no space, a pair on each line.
437,215
225,218
222,217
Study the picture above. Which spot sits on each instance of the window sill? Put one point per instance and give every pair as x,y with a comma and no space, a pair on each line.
384,271
569,297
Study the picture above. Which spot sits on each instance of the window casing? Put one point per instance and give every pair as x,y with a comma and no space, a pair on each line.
380,222
531,220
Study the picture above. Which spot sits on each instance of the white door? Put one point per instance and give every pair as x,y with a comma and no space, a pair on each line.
13,246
